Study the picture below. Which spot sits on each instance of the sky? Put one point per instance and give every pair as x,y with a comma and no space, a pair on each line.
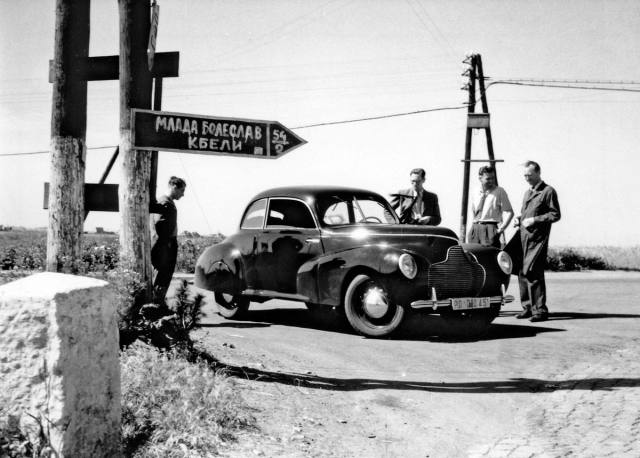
311,62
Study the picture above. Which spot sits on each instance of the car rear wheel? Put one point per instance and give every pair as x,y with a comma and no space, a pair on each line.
369,308
231,307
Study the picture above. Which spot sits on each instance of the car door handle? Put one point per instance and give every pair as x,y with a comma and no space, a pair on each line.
312,240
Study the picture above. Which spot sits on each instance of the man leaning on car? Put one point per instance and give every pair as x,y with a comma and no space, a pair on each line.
416,205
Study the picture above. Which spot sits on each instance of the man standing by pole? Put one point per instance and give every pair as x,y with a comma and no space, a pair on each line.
164,238
540,208
491,210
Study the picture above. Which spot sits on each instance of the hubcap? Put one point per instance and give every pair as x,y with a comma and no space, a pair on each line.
375,303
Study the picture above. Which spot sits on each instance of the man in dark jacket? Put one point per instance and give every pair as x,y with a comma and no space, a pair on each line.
416,205
540,208
164,238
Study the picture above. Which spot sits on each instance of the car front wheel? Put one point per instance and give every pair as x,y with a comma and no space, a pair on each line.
369,308
231,307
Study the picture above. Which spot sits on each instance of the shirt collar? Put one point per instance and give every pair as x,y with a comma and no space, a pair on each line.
536,187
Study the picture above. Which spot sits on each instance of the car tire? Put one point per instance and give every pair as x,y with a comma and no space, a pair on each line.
371,311
231,307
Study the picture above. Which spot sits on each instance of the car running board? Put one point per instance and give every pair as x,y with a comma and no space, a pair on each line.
275,295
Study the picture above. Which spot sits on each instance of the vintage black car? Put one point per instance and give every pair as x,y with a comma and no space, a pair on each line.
343,248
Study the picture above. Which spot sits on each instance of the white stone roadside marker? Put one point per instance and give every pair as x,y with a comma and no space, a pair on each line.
59,362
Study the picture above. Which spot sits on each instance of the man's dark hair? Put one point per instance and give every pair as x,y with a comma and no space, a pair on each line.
486,169
420,172
535,165
179,182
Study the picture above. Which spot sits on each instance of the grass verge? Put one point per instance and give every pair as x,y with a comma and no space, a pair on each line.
176,408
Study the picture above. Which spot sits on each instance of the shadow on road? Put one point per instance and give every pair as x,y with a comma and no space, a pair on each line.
418,328
557,316
513,385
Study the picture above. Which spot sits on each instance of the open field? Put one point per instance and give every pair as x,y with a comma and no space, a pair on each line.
27,250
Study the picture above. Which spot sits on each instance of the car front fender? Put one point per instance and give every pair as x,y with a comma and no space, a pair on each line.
487,257
322,279
219,269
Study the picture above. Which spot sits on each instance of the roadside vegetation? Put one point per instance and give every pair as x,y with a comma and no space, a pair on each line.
173,406
175,402
27,251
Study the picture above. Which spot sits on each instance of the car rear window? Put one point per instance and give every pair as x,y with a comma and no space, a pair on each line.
254,216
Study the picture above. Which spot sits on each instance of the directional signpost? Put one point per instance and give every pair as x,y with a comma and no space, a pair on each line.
188,133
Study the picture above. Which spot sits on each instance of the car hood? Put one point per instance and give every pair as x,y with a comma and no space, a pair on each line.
429,241
370,230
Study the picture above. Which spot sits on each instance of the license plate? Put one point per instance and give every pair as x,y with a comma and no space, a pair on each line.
467,303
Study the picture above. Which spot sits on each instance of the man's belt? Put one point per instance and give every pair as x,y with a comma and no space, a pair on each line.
486,222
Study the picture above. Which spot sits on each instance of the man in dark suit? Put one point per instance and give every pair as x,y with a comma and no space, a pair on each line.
164,237
540,208
416,205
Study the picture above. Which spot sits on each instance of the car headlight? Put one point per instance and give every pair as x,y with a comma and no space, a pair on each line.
505,263
408,265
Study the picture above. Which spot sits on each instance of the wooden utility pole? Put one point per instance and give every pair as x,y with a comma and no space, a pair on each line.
135,92
474,121
68,135
485,109
467,151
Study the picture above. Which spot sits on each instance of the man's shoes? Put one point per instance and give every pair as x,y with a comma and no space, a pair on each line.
523,315
538,318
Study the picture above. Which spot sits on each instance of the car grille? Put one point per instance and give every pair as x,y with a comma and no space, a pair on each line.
457,276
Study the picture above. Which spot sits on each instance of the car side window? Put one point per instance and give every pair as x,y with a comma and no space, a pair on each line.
289,213
337,214
254,216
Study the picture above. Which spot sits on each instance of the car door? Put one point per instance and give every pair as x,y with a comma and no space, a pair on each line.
247,242
290,238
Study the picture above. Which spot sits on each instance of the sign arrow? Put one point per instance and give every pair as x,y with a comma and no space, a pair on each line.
189,133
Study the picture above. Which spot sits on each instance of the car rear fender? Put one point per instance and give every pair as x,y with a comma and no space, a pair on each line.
322,279
219,269
487,257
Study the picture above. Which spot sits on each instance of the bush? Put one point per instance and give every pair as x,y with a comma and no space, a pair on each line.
176,408
568,259
189,252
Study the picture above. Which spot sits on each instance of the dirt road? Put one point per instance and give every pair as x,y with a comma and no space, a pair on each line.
566,387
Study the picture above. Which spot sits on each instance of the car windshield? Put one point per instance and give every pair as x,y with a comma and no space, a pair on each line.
343,209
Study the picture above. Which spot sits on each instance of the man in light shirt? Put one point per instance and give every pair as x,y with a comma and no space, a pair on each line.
416,205
492,211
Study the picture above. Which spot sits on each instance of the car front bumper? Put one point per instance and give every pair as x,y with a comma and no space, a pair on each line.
435,303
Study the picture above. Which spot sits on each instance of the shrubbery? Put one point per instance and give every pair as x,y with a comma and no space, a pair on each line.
568,259
176,408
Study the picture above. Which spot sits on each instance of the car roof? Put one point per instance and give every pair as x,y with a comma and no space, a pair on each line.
311,193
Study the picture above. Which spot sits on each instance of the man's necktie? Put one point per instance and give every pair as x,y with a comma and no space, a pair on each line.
478,214
407,214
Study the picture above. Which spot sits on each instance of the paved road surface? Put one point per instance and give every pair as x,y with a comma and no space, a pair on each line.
568,387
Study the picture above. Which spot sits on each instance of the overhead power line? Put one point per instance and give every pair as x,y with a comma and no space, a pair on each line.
429,29
380,117
565,86
47,152
555,80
